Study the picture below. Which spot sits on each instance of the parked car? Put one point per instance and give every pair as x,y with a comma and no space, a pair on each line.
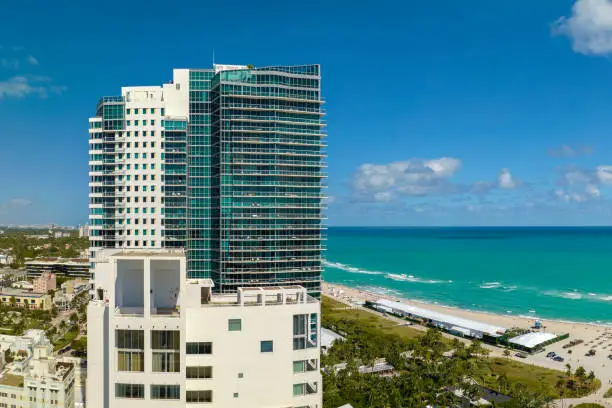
558,358
521,355
551,354
590,353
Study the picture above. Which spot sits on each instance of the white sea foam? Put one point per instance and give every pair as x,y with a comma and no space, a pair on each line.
490,285
349,268
578,295
393,276
411,278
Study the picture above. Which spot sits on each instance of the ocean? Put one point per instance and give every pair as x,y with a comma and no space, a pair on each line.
556,273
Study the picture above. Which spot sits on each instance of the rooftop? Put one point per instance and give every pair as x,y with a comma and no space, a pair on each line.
20,292
532,339
11,380
443,317
144,253
328,337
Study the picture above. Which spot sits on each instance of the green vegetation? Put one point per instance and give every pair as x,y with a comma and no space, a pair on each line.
67,338
588,405
79,346
20,246
608,393
16,320
424,367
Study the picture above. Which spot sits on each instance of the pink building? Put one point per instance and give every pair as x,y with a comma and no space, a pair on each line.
44,283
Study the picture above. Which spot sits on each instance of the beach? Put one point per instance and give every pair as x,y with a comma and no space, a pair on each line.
596,337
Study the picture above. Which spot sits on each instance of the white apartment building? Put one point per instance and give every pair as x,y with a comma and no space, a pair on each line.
159,339
138,164
35,378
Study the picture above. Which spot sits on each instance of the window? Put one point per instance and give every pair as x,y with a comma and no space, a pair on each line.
152,111
304,331
172,392
166,361
303,366
235,395
130,361
130,339
199,348
135,391
199,372
199,396
136,111
299,366
127,111
152,122
266,346
163,111
234,325
304,389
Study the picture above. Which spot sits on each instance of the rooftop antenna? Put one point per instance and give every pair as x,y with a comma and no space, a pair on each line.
213,57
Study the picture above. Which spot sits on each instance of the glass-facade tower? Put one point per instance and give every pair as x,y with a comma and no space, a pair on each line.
243,159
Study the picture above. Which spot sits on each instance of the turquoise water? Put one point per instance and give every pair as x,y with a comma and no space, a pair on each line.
557,273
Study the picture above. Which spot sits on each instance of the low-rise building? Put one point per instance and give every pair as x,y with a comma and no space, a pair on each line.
25,298
77,268
5,259
22,285
34,378
159,339
44,283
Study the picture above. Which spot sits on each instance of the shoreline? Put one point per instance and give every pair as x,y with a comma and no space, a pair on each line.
460,309
595,336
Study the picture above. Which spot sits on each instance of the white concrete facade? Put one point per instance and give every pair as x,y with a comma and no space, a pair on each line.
139,163
35,378
256,348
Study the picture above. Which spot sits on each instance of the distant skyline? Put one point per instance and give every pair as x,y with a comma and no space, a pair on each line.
439,113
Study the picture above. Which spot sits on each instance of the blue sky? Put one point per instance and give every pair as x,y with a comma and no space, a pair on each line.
440,112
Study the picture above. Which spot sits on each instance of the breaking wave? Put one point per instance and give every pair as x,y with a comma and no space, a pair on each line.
393,276
577,295
349,268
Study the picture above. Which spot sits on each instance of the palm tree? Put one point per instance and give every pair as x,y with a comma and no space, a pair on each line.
569,369
507,353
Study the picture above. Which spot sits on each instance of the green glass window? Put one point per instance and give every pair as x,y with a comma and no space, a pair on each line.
267,346
136,111
152,111
299,366
134,391
165,392
234,324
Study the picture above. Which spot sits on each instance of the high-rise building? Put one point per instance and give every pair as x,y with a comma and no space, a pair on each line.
157,338
227,163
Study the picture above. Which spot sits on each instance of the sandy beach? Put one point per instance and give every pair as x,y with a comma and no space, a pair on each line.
598,338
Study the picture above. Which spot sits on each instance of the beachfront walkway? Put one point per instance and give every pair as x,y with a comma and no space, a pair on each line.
595,337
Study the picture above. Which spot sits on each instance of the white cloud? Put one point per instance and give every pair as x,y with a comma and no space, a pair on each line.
592,190
32,60
20,202
589,27
506,181
383,196
22,86
417,177
604,174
